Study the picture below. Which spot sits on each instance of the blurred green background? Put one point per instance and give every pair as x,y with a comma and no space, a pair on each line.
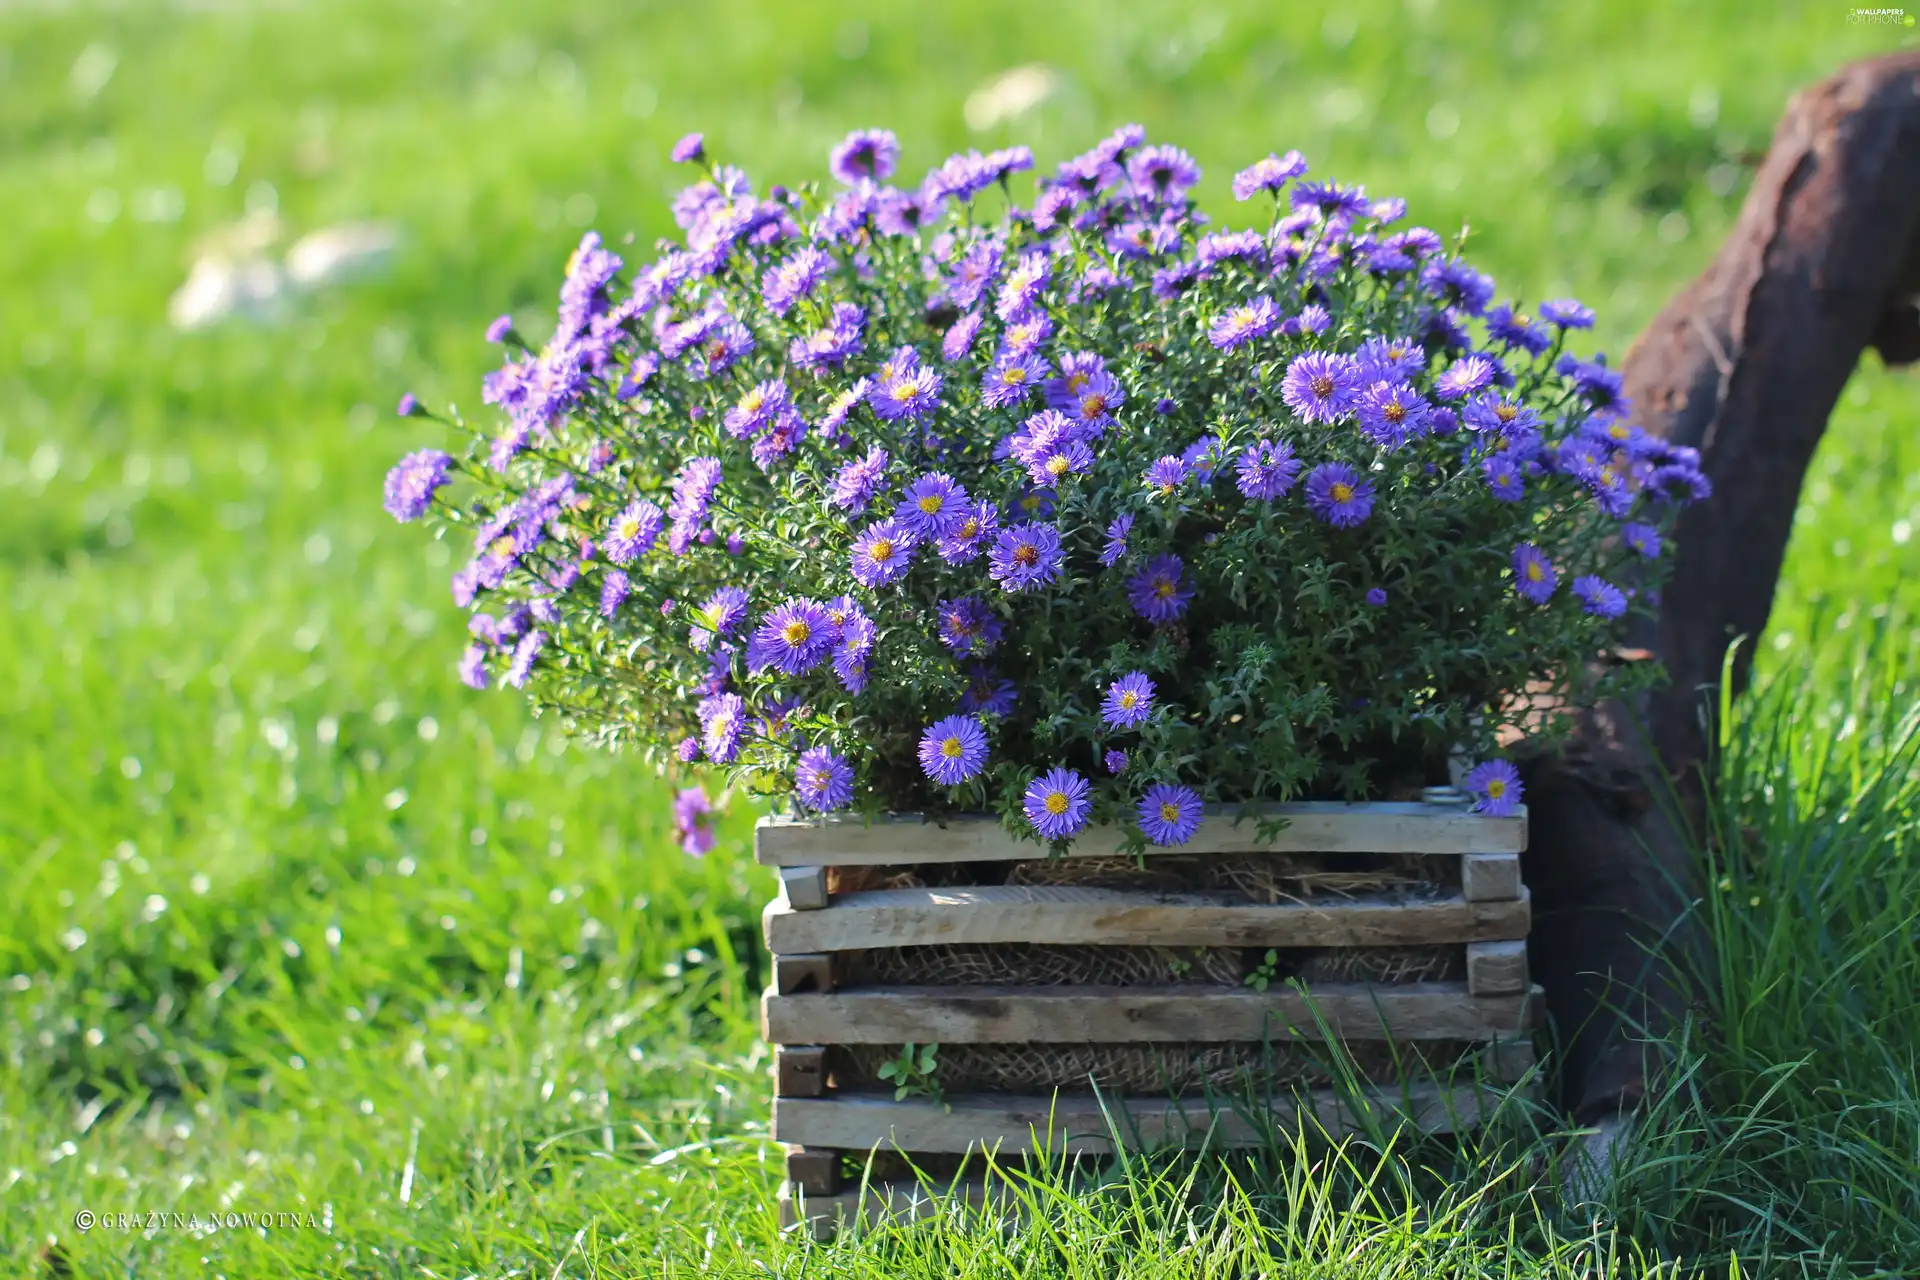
297,921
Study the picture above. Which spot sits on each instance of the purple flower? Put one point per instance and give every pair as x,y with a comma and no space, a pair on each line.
689,807
1171,282
1169,814
793,638
910,394
1504,480
1267,470
1056,804
687,750
1390,360
1313,318
1269,174
1129,701
524,653
693,490
987,694
960,337
968,627
1512,329
1566,313
1115,761
850,655
1077,370
1319,387
1021,290
1337,494
866,155
614,589
882,553
1495,784
1026,555
1643,538
413,482
723,612
1205,457
857,483
1509,417
970,535
933,505
974,274
1163,173
1533,575
1166,475
842,405
1025,335
1390,413
408,406
1334,201
723,344
1116,546
473,667
1070,457
633,532
1253,319
1093,405
689,149
786,283
1377,597
1156,593
953,750
822,781
1464,378
834,345
1600,597
1011,380
501,329
1456,284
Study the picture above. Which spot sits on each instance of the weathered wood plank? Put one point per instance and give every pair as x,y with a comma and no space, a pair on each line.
799,1071
1490,877
805,887
1315,827
1508,1060
1089,1125
1124,1015
1496,968
808,971
814,1170
1068,915
892,1202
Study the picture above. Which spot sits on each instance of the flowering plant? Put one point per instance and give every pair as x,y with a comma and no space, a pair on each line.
922,499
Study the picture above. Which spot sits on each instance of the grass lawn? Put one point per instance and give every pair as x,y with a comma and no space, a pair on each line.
297,924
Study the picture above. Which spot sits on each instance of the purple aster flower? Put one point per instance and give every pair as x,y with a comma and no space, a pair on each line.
408,407
1041,433
953,750
1456,284
1377,597
687,750
1170,283
413,482
834,345
1166,475
1093,406
1390,360
1390,413
986,694
473,667
1116,547
693,489
1056,804
614,589
1163,173
1319,386
933,505
1026,555
1129,701
633,532
1504,479
1510,418
1566,313
1204,457
1077,370
1156,592
1267,470
721,615
793,638
1169,814
1222,246
716,352
912,394
974,274
842,405
1023,285
1012,379
970,535
857,483
689,149
501,329
1255,318
1070,457
822,781
524,653
1600,597
882,553
689,807
1115,761
785,283
1025,335
1034,504
1313,318
1331,199
1643,538
1510,328
1533,574
960,337
1269,174
1495,784
866,155
1464,378
968,627
1337,494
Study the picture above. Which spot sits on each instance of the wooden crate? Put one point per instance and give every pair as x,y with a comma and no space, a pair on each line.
824,1018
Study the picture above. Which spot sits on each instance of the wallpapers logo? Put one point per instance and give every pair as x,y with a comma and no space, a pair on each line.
1879,18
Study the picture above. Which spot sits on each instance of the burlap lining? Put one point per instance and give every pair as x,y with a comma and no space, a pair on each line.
1149,1069
1253,877
1028,964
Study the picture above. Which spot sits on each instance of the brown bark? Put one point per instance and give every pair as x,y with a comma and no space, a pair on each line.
1745,365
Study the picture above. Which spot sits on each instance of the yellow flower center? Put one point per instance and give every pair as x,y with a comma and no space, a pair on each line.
1496,787
1093,406
952,749
1030,503
1395,412
1129,700
971,528
753,401
1026,554
1169,812
1164,588
795,633
1013,376
880,550
1506,412
1321,385
1056,802
932,503
1534,572
1341,491
1057,465
1076,381
1619,430
1396,353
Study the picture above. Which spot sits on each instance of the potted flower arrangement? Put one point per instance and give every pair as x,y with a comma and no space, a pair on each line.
1069,510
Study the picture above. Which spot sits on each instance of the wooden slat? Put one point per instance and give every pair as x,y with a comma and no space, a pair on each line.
1508,1060
1315,827
892,1202
805,887
808,971
814,1170
799,1071
1490,877
1069,915
1496,968
1075,1124
1124,1015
